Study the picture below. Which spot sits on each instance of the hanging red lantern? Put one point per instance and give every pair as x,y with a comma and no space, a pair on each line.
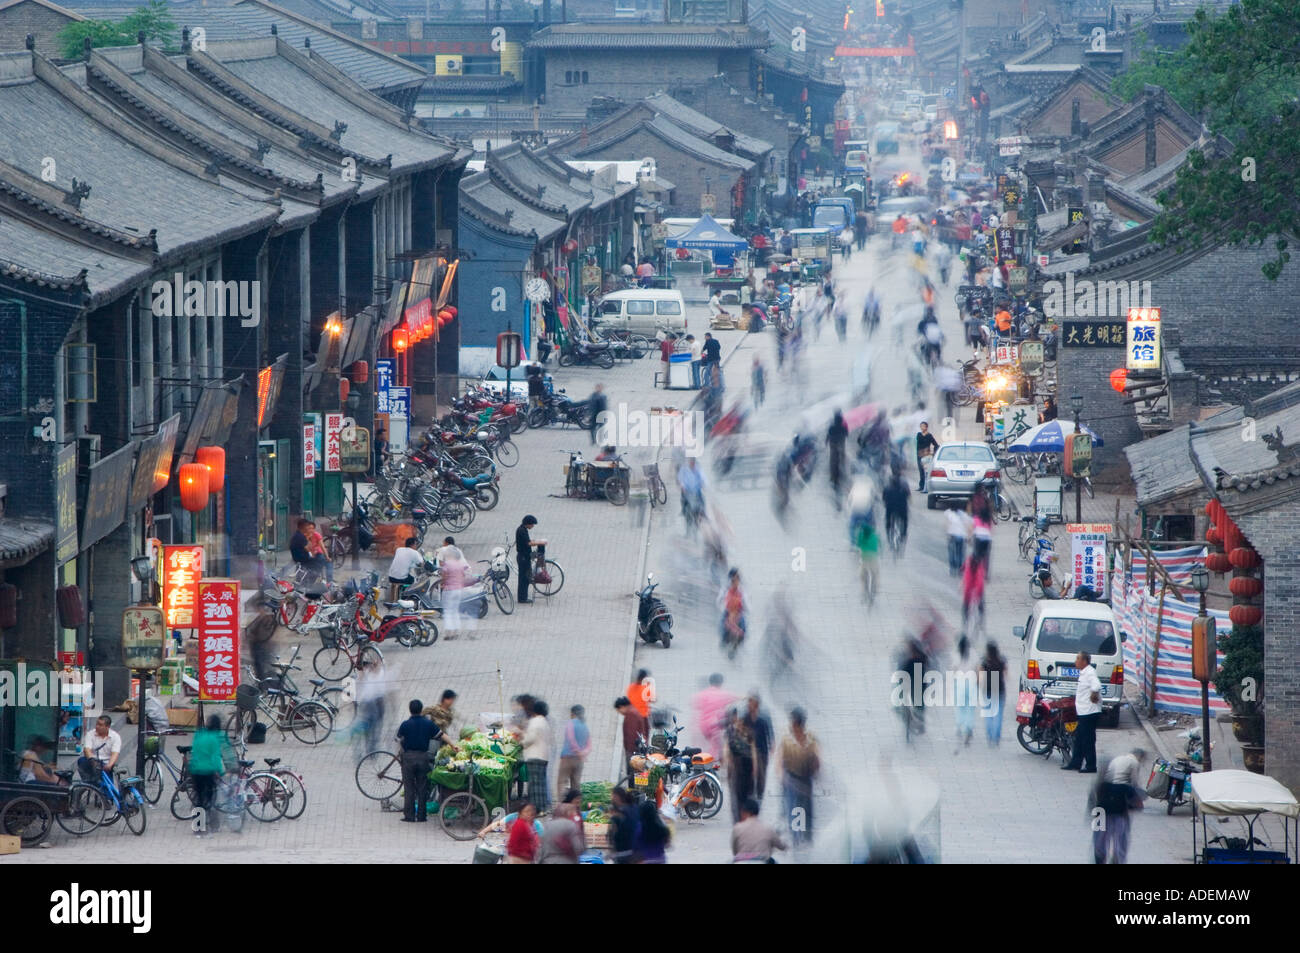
8,606
359,372
1214,537
72,608
194,479
1118,378
1232,537
1217,562
345,388
1214,510
1245,615
1243,557
1245,586
401,339
214,458
570,246
451,310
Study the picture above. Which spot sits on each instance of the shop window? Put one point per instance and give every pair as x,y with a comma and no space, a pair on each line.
584,77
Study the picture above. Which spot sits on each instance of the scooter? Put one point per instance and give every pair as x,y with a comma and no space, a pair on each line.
1046,724
587,352
654,623
1173,790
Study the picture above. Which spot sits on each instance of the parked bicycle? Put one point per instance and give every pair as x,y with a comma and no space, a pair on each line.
106,800
309,721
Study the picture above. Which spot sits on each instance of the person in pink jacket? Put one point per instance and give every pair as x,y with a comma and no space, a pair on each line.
710,705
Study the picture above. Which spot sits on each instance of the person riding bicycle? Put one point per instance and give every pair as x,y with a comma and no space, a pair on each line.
690,481
896,497
102,748
732,603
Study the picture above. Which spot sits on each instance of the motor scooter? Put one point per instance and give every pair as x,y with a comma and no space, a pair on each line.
654,623
1168,780
1046,724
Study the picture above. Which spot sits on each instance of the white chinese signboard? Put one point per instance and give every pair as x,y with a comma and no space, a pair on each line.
1143,345
308,451
1088,555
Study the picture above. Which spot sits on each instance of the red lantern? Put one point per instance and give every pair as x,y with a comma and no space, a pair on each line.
1217,562
72,608
359,372
1245,586
1214,537
451,311
345,388
401,339
1232,537
194,480
1243,557
1118,377
1245,615
214,458
570,246
1214,509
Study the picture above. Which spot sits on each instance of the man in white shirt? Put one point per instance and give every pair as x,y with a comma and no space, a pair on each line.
959,527
1119,792
101,750
1087,707
401,572
716,309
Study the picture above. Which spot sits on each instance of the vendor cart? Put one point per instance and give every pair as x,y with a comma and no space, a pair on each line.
1256,799
596,479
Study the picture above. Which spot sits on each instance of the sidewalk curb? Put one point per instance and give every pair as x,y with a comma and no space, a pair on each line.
1152,735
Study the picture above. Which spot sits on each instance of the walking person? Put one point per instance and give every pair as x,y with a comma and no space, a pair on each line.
207,765
454,571
1119,792
636,728
624,825
665,355
800,760
415,735
597,404
753,840
993,672
959,527
537,756
739,759
973,579
760,726
836,435
710,705
524,558
573,751
523,842
561,841
732,627
966,692
926,445
652,836
372,688
641,692
1087,707
758,386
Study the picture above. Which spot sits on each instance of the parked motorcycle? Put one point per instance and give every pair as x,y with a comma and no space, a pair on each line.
1168,781
588,352
1046,724
654,623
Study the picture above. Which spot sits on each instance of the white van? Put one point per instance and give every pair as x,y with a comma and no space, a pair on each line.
642,311
1059,629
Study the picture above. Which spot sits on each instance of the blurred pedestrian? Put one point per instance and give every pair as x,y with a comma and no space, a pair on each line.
641,692
561,841
710,705
206,767
739,757
974,575
800,759
993,670
652,836
537,755
624,825
760,726
966,694
454,572
758,377
732,602
574,750
372,690
443,713
959,527
836,435
1118,792
597,403
258,634
753,840
522,844
665,355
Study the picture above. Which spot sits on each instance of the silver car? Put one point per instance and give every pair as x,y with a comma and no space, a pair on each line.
956,470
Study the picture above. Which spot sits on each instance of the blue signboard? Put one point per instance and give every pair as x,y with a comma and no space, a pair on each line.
399,401
385,371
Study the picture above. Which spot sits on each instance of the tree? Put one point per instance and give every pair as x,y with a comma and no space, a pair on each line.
1240,73
154,20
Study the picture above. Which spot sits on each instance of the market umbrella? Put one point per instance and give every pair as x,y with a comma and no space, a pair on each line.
862,415
1048,438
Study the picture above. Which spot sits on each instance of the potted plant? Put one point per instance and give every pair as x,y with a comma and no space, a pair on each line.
1240,682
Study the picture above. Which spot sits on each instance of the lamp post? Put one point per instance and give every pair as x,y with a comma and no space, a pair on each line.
1204,647
1076,404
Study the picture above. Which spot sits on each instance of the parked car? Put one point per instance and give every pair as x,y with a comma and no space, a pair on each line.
495,381
956,469
642,311
1055,633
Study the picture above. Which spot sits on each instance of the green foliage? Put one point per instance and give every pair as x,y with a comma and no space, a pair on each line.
154,19
1240,74
1243,658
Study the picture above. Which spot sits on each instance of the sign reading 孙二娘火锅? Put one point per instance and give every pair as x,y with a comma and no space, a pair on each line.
218,634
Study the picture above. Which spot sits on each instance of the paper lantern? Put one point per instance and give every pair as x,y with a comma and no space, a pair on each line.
1245,615
1214,510
345,388
72,610
359,372
1232,537
1245,586
214,458
1214,536
401,339
570,246
451,310
1118,377
1243,557
194,480
1217,562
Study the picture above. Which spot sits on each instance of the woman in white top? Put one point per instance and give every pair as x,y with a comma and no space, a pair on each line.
537,753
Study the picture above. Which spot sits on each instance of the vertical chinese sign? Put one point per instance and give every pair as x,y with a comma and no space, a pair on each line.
218,631
1143,339
1089,555
182,569
333,441
308,451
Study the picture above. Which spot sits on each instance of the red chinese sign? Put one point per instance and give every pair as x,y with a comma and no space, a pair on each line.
218,631
333,441
182,569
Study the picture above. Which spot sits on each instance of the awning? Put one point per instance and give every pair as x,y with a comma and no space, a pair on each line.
1238,793
23,540
709,235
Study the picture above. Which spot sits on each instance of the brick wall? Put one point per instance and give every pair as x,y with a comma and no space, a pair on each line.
1273,533
42,22
628,75
680,168
1086,372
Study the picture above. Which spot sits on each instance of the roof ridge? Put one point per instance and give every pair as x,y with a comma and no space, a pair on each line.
27,189
62,282
500,176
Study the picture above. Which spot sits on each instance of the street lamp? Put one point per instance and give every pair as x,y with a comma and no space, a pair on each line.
1204,657
1076,404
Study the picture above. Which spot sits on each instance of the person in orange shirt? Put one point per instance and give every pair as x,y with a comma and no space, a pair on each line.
1004,321
641,692
900,227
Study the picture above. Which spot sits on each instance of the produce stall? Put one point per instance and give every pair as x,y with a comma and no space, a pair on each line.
496,758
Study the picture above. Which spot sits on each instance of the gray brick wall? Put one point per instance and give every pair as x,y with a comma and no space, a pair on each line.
680,168
628,76
40,21
1086,372
1273,533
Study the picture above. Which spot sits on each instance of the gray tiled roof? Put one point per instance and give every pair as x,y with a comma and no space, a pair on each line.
130,189
697,122
663,129
40,250
470,85
522,218
528,174
636,36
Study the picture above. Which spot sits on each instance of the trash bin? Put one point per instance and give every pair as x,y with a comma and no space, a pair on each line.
680,371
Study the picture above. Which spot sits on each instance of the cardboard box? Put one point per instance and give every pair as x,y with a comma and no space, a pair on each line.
183,717
9,844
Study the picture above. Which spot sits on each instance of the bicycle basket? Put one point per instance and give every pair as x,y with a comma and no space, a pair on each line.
246,697
152,745
328,637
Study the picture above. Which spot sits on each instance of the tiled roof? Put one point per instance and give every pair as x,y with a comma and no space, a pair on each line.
635,36
538,182
520,218
471,85
20,540
697,122
778,64
39,256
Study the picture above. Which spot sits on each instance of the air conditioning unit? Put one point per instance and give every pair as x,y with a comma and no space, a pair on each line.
452,64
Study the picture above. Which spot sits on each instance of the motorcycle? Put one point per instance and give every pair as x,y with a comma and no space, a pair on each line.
654,623
588,352
1046,724
562,410
1171,784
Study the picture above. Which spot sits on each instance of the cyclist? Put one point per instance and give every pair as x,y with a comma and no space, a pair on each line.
100,752
896,496
690,481
862,530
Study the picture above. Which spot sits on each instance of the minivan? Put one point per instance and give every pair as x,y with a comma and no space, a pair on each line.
642,311
1056,631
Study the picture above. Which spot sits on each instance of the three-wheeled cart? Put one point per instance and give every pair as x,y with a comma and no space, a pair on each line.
1250,797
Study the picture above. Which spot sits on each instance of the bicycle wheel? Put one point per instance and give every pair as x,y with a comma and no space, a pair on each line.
85,811
153,782
486,497
297,792
455,515
133,811
428,631
266,798
504,596
616,489
660,493
557,579
507,453
239,724
463,815
1004,508
518,422
639,345
711,795
605,360
408,633
537,417
310,722
183,806
379,776
371,655
344,712
332,664
27,818
1018,469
